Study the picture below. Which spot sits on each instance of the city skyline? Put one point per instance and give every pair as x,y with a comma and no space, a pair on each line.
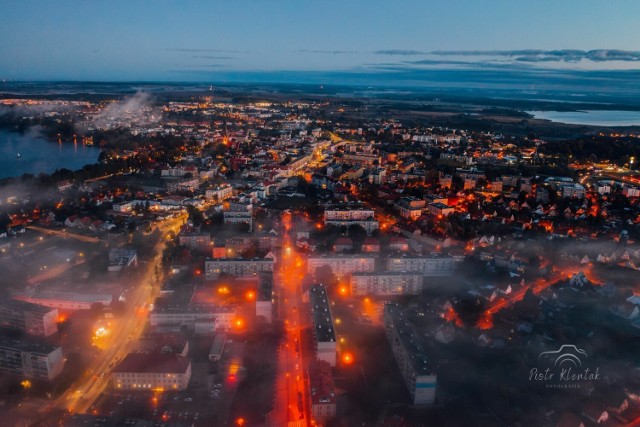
201,41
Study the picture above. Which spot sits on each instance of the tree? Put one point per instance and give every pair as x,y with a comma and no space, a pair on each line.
325,275
196,216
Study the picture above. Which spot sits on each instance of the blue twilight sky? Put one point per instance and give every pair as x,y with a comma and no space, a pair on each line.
199,40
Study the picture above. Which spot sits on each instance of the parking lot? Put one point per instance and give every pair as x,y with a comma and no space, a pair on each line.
207,400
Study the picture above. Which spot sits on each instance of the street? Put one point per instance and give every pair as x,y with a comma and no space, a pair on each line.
81,395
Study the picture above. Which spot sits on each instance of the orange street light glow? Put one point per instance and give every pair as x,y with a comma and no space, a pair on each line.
347,358
343,290
250,295
239,323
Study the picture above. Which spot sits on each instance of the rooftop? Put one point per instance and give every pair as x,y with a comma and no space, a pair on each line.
27,344
409,339
162,363
321,314
321,383
25,307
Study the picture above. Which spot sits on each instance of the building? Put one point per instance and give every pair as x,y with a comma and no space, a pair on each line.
432,198
238,267
217,347
398,243
342,264
427,266
572,190
343,244
238,217
346,215
440,209
323,330
219,193
370,244
120,258
410,207
264,301
630,192
154,342
195,241
322,391
239,210
152,371
445,181
416,372
386,284
66,300
200,319
29,318
30,358
377,176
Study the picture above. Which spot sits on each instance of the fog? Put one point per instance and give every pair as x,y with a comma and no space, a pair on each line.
138,109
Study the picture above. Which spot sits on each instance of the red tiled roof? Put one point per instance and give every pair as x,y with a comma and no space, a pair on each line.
321,383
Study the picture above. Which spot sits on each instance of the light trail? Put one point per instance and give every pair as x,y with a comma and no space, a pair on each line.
290,402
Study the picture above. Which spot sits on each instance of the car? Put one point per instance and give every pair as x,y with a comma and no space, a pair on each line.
188,399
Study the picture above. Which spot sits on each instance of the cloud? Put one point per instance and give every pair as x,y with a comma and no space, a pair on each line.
332,52
196,50
538,55
212,57
399,52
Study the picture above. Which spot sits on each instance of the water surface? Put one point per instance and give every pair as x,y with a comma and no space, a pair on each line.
31,153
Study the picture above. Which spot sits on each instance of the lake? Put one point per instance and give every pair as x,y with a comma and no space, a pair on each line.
39,155
591,117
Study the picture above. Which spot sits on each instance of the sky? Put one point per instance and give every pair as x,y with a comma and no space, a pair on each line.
203,40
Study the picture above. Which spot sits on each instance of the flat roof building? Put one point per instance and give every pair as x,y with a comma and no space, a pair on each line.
66,300
342,264
200,319
323,329
427,266
396,283
416,371
238,267
30,358
30,318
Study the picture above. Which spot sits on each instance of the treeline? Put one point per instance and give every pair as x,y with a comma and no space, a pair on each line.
599,148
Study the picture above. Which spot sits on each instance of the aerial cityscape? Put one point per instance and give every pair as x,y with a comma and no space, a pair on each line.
321,214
